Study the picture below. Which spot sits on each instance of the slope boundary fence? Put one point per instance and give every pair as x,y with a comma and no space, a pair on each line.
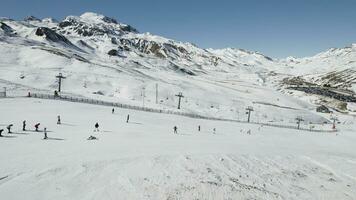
163,111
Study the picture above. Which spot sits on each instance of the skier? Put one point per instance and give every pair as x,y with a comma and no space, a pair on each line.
45,133
112,111
36,126
96,127
249,132
1,130
9,128
24,125
128,118
199,128
214,130
58,119
175,130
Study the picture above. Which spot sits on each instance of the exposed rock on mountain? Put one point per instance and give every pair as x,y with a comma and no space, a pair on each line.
113,52
6,29
32,18
52,36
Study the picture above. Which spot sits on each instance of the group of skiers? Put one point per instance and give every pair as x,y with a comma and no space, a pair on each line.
96,127
24,124
127,118
8,127
248,132
175,129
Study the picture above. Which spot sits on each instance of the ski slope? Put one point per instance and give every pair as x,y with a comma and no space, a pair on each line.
104,59
143,159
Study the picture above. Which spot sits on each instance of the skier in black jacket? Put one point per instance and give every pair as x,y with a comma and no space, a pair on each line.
96,127
24,125
9,128
58,119
36,126
45,134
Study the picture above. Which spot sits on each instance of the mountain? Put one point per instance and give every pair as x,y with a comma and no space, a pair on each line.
141,158
335,67
103,58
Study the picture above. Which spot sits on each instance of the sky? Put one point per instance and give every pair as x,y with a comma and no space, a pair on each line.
276,28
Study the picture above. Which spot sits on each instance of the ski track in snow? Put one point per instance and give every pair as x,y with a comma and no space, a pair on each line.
186,177
141,160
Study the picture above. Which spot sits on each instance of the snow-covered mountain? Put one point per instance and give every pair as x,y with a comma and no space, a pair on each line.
94,34
103,59
335,67
106,59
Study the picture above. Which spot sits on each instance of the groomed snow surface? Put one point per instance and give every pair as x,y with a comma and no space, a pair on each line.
143,159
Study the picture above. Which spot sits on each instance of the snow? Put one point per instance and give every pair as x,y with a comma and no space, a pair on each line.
124,84
334,59
353,87
143,159
92,18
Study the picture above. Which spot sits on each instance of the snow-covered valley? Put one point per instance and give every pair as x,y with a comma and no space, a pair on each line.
103,59
143,159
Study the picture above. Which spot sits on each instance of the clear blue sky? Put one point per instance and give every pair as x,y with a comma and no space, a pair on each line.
277,28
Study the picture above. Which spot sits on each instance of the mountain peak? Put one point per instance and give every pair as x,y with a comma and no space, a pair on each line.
95,18
31,18
89,24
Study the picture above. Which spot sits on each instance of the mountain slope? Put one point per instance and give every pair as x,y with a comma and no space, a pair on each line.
335,67
105,59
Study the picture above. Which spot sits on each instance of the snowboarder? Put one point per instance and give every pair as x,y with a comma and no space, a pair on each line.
96,127
128,118
175,130
36,126
24,125
1,130
112,111
92,138
9,128
199,128
45,133
58,119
